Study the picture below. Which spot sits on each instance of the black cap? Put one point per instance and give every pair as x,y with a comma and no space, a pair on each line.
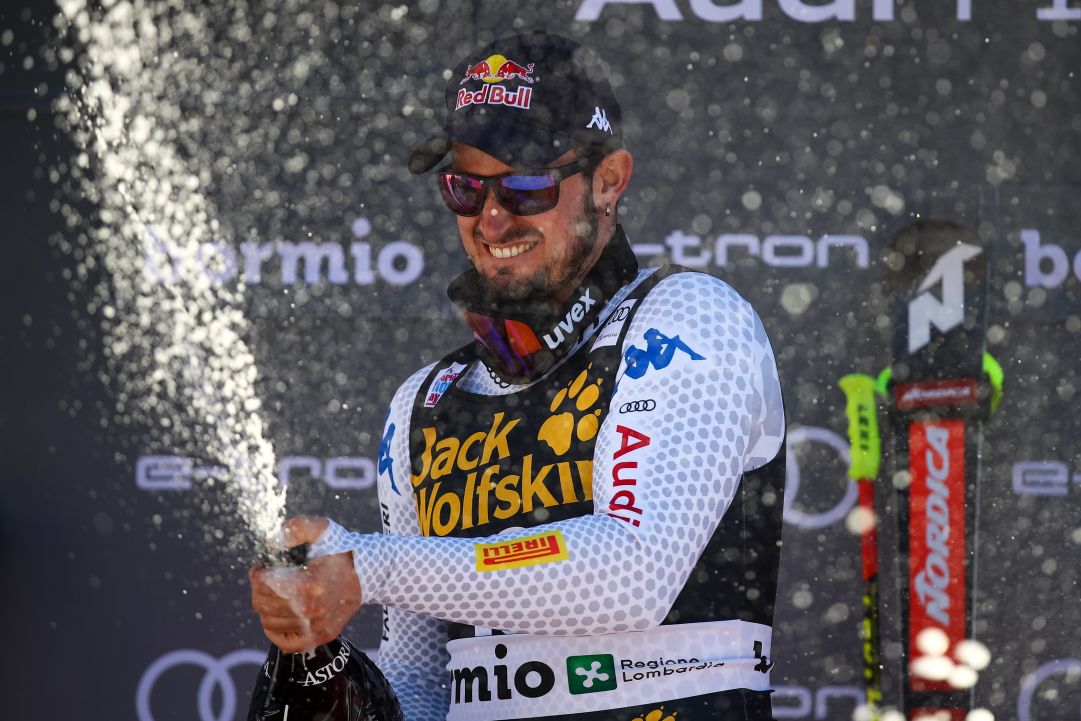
526,100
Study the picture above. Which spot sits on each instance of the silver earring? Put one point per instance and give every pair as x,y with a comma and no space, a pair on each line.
607,209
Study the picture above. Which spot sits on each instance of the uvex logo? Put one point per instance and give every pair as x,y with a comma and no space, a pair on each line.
558,334
926,310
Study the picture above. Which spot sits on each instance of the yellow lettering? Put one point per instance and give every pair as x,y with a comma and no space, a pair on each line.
585,475
504,491
484,489
496,439
448,501
478,497
467,501
445,453
566,482
426,456
464,461
535,486
424,508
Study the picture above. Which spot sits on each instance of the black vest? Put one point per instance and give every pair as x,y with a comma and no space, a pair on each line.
483,464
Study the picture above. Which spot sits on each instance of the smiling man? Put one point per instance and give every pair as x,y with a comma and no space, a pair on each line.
582,507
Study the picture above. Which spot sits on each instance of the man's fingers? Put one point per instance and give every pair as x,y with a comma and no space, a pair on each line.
291,642
263,598
284,624
303,529
295,594
301,608
308,602
340,567
266,604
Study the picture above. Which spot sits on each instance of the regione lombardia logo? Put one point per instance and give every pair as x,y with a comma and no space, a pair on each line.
590,674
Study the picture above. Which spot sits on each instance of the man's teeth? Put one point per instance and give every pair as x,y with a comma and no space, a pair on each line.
509,251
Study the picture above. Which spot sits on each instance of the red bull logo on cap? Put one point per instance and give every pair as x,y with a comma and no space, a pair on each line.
495,95
496,69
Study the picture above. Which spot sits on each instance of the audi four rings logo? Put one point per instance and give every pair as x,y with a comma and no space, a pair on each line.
806,519
1031,682
216,675
646,405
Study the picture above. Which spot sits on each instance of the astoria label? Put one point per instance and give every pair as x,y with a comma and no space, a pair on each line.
327,672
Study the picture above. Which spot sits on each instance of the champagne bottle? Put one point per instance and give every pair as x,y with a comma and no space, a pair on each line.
333,682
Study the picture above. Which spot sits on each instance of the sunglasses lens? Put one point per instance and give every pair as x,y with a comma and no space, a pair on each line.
524,194
462,193
528,194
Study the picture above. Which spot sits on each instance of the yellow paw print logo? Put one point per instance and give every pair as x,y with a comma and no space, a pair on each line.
561,427
656,715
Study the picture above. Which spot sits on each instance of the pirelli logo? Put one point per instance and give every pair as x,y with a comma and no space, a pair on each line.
529,551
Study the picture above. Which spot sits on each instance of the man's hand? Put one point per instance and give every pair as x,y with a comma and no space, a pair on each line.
301,608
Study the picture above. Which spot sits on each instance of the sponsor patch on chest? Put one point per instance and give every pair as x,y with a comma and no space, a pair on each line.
444,379
609,333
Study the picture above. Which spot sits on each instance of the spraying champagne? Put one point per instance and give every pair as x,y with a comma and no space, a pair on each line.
332,682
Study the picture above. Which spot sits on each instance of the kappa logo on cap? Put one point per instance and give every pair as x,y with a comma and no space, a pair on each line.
600,120
496,69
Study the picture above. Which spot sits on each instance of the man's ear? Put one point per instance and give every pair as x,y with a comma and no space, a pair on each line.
612,176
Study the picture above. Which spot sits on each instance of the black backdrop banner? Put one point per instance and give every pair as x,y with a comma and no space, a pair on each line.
778,145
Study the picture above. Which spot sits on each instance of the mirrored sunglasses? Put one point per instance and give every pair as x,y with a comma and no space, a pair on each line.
519,192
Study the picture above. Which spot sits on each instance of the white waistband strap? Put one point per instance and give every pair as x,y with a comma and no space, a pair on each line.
523,676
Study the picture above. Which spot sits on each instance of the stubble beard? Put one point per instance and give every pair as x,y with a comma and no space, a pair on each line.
555,278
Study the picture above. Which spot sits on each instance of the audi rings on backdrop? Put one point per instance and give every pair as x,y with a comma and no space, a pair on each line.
807,519
1032,680
216,676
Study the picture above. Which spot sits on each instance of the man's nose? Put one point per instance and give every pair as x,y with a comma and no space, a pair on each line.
494,219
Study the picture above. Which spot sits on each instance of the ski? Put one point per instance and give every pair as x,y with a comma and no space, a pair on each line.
937,399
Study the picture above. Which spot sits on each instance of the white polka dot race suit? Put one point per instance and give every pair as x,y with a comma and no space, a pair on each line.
602,542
